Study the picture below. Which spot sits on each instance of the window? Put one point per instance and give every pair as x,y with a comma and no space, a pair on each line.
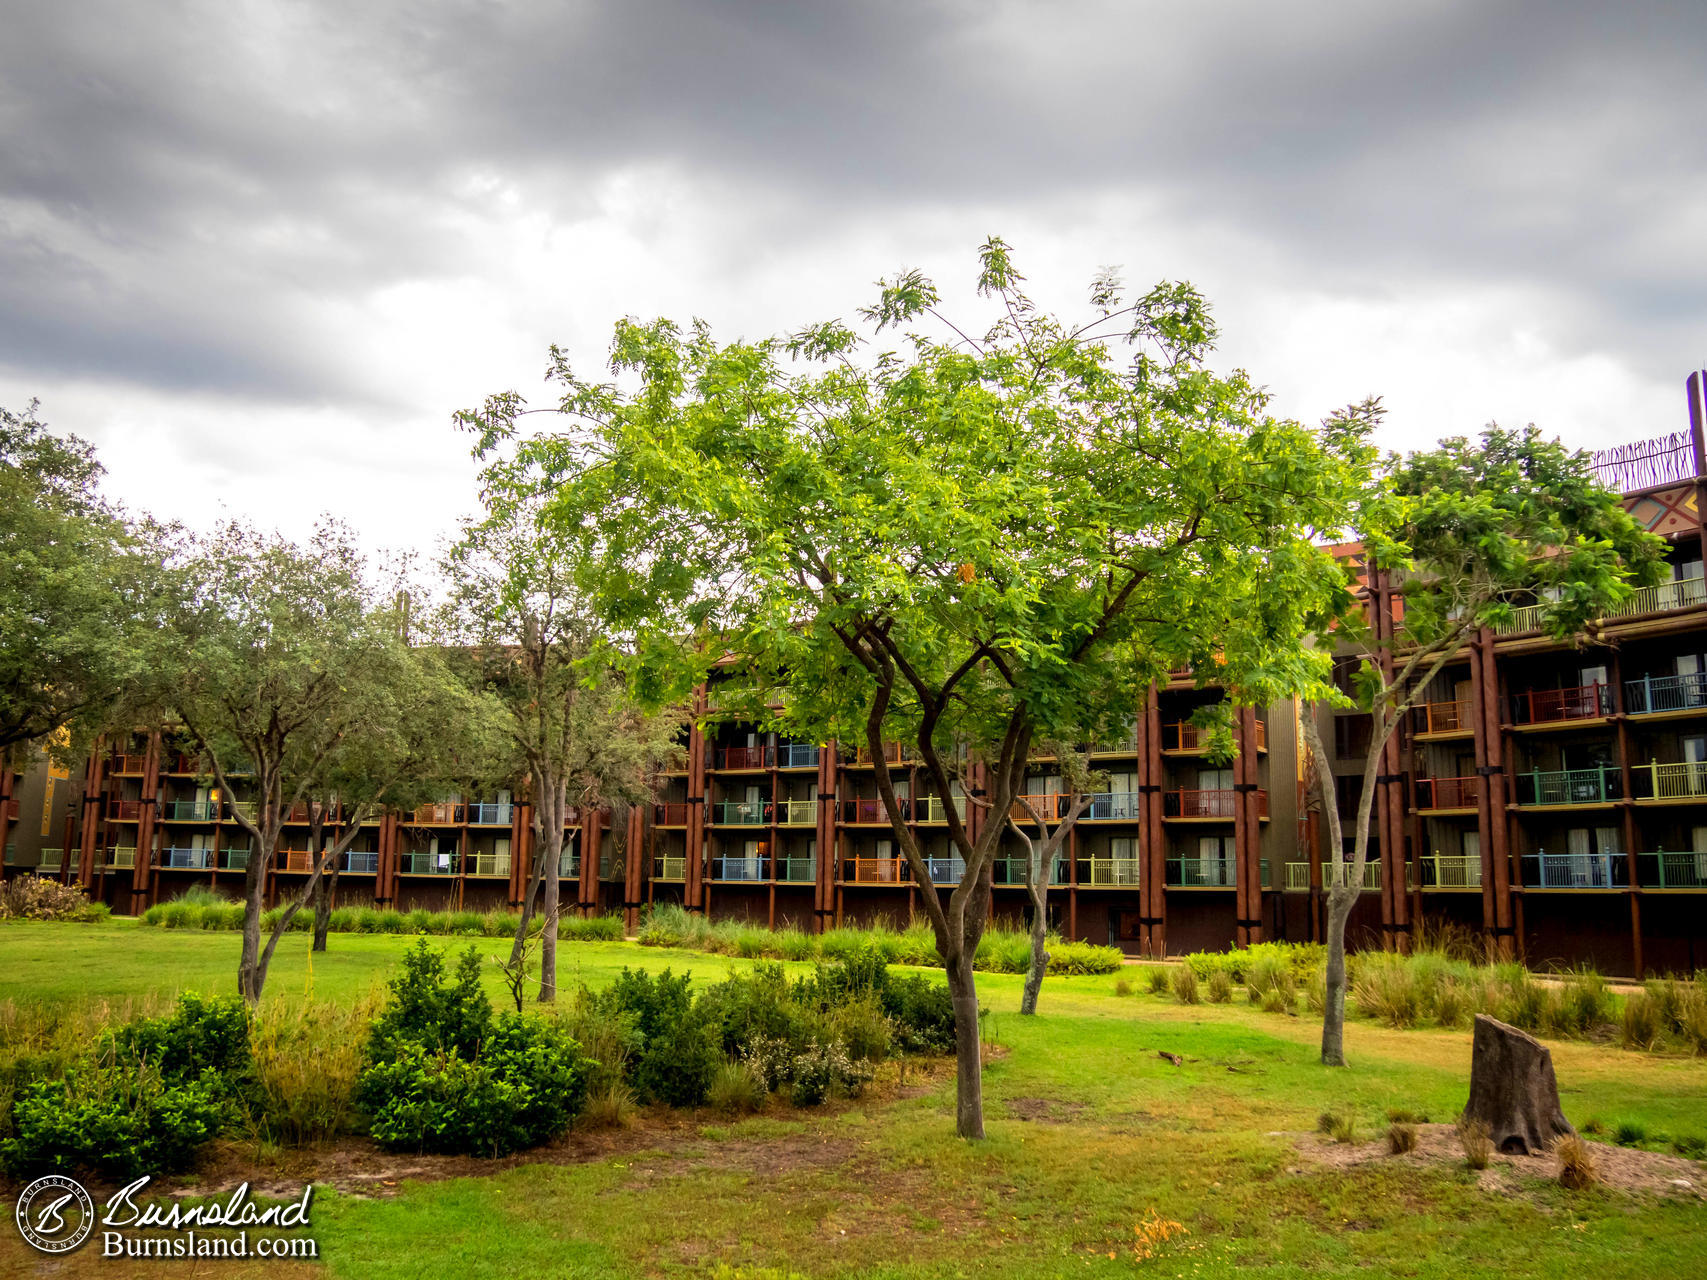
1352,735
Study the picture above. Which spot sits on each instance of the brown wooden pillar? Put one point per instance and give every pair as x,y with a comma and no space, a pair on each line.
1627,809
634,855
694,888
1497,859
90,868
1152,831
593,823
142,875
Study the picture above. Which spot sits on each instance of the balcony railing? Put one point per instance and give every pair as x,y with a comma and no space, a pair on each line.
1449,871
233,859
491,815
129,763
1112,806
1551,706
670,868
122,858
1575,870
50,860
1017,871
1119,747
299,860
797,813
360,863
427,864
935,811
569,864
1051,807
797,870
891,754
1113,872
491,864
670,815
442,814
1599,785
247,808
1182,735
742,813
878,870
1652,694
182,762
1443,717
1207,804
190,811
1199,873
745,758
1676,870
943,871
1333,874
1681,593
124,810
1448,793
872,811
182,859
738,869
1655,781
796,755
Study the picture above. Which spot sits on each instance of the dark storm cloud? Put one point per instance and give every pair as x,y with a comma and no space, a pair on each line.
182,188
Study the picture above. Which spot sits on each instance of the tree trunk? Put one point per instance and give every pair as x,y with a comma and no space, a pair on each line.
968,1053
1039,940
548,929
251,973
1340,903
323,892
1513,1090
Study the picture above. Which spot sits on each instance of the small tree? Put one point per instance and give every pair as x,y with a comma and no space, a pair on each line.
528,643
284,667
1040,854
986,541
1463,529
82,589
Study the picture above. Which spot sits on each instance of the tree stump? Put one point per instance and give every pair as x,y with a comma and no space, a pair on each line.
1513,1091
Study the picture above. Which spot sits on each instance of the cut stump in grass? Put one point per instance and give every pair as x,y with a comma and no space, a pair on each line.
1513,1090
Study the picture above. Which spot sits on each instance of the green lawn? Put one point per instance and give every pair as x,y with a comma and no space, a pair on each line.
880,1190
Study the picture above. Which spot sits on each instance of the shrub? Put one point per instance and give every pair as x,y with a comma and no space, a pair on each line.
117,1120
677,1051
38,898
1386,989
591,928
1690,1145
1316,992
198,1035
825,1070
524,1085
1452,1003
1639,1025
1325,1122
1401,1138
1185,985
759,1003
736,1088
921,1014
1157,977
1477,1143
1277,1000
1585,1003
1220,987
1576,1163
1402,1115
427,1010
862,1028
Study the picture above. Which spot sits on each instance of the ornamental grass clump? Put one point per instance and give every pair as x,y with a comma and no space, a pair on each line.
1477,1143
1401,1138
1220,987
1185,985
1577,1170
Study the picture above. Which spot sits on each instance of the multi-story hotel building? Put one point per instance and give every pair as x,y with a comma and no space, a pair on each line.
1553,795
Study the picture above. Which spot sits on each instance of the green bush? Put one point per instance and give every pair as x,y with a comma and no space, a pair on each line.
1639,1026
921,1013
117,1120
678,1051
452,1016
198,1035
823,1071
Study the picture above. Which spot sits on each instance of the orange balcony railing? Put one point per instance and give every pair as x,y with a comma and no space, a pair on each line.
670,815
891,754
439,814
1443,717
1207,804
1050,808
1448,793
878,871
129,763
1182,735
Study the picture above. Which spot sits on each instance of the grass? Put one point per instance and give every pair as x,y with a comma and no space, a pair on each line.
1089,1132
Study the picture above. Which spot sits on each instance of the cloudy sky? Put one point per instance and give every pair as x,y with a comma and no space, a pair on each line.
259,252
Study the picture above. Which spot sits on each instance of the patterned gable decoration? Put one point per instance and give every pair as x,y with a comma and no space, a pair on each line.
1665,511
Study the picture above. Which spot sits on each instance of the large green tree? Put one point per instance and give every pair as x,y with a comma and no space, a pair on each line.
1462,530
995,534
81,589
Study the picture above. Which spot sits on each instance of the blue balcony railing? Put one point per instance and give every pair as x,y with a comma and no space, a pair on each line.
1653,694
1575,870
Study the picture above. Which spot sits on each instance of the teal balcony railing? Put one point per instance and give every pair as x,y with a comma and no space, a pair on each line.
427,864
182,859
361,864
1014,871
190,811
742,813
1663,870
802,870
1112,806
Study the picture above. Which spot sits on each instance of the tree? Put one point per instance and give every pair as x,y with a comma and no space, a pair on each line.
528,643
979,541
1040,855
1463,529
82,590
287,669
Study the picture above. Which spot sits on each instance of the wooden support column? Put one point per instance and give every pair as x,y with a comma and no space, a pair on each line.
142,875
634,856
1501,828
1153,831
1072,884
89,869
592,842
1247,887
694,888
1627,810
824,837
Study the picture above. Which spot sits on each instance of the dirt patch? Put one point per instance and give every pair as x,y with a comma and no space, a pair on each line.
1622,1168
1044,1110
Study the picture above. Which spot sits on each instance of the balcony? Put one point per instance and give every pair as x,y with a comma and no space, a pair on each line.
1655,781
670,868
670,815
1050,807
797,870
491,815
301,861
361,864
1126,746
1112,806
427,864
891,754
233,859
437,815
1681,593
1207,805
796,755
942,871
183,763
50,860
1202,873
1656,695
124,810
1334,874
1674,870
1112,873
878,871
491,864
184,859
1575,871
1560,706
569,864
935,811
745,758
122,858
129,764
1559,787
742,813
190,811
872,812
1444,795
743,869
1185,738
797,813
1442,719
245,808
1442,871
1017,871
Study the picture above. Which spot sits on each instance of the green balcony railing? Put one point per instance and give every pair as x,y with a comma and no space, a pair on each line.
1675,870
1015,871
190,811
742,813
797,870
234,859
1599,785
427,864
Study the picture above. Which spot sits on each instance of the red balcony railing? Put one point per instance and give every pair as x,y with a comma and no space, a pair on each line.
1448,793
1207,804
124,810
670,815
1549,706
871,811
746,758
183,762
1443,717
